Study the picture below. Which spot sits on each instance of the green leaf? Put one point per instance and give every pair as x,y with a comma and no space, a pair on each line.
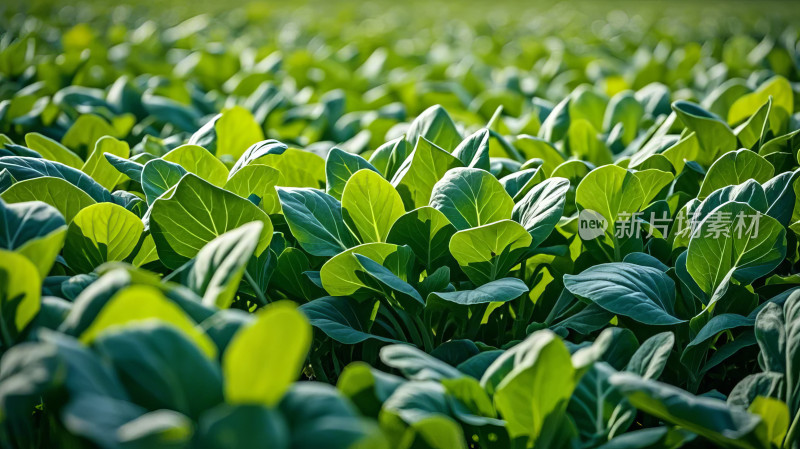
237,425
99,168
315,219
236,130
388,157
473,151
501,290
712,132
644,294
20,294
777,87
297,168
101,233
541,208
427,231
736,167
488,252
650,358
33,229
265,379
65,197
585,144
775,415
341,318
128,167
218,268
257,153
471,197
140,304
708,417
24,168
416,177
158,176
651,182
612,192
435,126
339,167
196,159
340,274
84,133
193,213
735,238
370,206
145,358
259,180
52,150
532,395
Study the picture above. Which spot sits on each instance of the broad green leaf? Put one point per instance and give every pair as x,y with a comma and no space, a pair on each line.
644,294
586,104
297,168
370,206
535,147
99,168
585,144
708,417
256,152
237,425
33,229
427,231
776,87
218,268
140,304
650,358
158,176
520,183
290,275
24,168
775,415
149,357
84,133
473,151
319,416
196,159
488,252
425,166
343,319
541,208
471,197
612,192
52,150
193,213
651,182
536,389
101,233
390,156
266,378
735,238
340,274
736,167
20,294
435,126
713,134
501,290
236,130
259,180
64,196
339,167
315,219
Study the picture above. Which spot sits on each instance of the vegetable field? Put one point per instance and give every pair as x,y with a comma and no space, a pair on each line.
411,226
